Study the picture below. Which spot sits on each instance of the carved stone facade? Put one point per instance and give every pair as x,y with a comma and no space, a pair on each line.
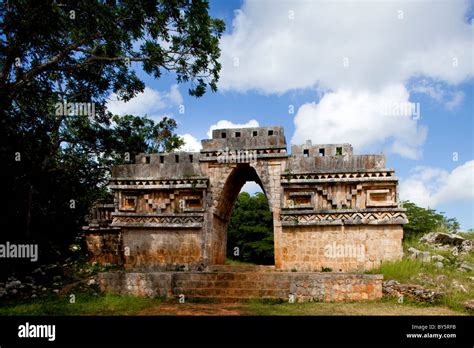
331,209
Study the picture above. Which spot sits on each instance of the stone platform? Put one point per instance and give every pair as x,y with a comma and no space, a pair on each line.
237,283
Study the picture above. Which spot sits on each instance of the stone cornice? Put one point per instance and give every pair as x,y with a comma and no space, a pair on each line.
335,176
140,220
162,183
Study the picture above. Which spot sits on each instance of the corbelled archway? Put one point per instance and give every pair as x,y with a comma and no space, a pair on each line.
226,196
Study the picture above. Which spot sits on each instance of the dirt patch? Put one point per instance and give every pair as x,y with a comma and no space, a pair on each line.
196,309
306,309
355,308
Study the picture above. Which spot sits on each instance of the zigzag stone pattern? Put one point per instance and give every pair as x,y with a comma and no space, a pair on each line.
352,218
159,221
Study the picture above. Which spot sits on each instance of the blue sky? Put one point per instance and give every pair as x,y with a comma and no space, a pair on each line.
336,65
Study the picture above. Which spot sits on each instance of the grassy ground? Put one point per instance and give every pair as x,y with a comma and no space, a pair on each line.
448,279
126,305
382,307
84,305
238,263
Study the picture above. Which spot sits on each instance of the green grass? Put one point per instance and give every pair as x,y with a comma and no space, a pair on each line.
386,306
467,235
413,242
238,263
443,279
84,305
431,277
127,305
404,270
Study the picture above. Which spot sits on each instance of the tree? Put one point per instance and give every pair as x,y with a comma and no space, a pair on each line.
78,53
425,220
251,230
451,224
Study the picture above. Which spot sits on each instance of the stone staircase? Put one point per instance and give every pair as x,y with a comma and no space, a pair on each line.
239,283
240,268
233,284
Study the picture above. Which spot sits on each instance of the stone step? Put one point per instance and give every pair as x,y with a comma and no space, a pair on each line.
227,299
234,276
240,268
231,293
233,284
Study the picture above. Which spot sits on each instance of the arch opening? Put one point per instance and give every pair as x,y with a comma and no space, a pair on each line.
243,224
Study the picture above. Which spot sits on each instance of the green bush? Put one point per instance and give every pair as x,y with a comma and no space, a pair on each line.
251,230
425,220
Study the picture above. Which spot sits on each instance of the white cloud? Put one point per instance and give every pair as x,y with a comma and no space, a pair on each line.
434,90
174,95
151,102
358,118
190,143
429,187
228,124
439,93
456,100
359,54
251,187
385,43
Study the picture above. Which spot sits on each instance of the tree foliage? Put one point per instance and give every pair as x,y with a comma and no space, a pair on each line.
425,220
54,165
251,230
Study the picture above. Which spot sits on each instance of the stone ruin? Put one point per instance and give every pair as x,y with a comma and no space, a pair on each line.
167,227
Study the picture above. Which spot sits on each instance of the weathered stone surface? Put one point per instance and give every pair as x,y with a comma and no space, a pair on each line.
241,285
466,246
415,254
150,284
167,250
442,238
340,248
465,266
439,264
469,305
104,246
413,291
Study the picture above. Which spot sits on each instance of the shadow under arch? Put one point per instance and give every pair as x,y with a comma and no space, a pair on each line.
241,174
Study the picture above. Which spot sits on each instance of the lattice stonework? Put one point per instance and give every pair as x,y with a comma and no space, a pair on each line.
338,196
128,201
162,201
328,196
384,197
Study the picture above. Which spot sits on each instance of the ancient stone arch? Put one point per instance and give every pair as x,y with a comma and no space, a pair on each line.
331,209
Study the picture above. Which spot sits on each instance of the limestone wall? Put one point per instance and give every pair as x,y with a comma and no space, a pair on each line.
104,246
162,249
339,248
